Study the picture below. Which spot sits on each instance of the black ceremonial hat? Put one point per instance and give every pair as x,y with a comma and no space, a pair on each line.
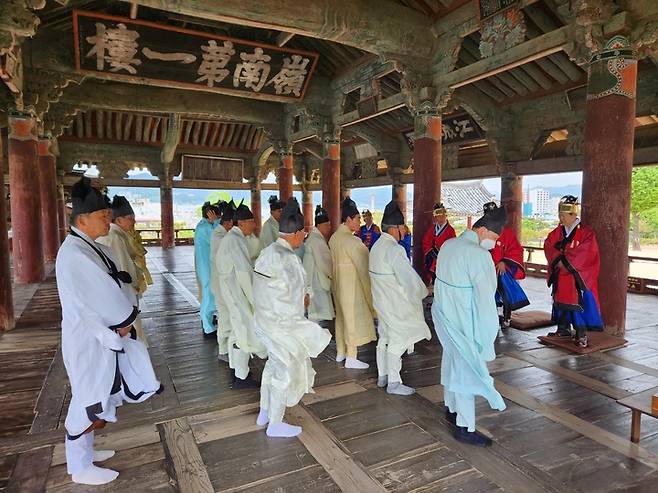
321,215
392,214
494,220
348,208
292,219
242,213
86,199
121,207
275,203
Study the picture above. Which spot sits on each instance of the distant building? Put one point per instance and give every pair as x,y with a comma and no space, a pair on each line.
541,203
527,209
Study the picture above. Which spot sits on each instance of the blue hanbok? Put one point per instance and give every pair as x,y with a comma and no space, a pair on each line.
202,236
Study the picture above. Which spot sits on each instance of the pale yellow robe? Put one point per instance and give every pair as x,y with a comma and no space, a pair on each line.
119,242
269,233
351,290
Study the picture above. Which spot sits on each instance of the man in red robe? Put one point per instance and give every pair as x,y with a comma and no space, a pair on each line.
434,238
572,253
507,256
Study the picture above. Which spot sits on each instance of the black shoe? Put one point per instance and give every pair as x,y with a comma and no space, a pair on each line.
247,383
471,437
210,335
451,417
214,320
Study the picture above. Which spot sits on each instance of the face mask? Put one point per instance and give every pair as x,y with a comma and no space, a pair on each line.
488,244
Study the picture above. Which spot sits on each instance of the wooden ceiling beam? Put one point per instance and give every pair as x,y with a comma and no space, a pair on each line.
534,49
283,37
127,126
389,28
139,124
100,124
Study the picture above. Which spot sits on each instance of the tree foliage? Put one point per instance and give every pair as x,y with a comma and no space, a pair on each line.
645,189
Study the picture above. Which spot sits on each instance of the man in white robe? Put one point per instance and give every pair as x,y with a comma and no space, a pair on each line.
270,230
119,241
104,363
236,302
291,340
397,295
318,267
466,322
218,234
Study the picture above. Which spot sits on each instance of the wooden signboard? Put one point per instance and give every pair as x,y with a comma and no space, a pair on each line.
211,168
488,8
454,130
149,53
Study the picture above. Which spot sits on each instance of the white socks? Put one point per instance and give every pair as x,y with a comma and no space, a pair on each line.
95,476
340,358
102,455
282,430
355,364
398,388
263,418
382,381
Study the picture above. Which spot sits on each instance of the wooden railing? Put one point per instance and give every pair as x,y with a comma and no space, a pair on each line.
182,236
537,268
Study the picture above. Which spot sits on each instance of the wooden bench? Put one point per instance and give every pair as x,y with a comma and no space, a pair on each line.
639,404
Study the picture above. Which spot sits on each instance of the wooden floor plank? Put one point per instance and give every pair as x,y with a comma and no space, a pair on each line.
579,425
51,398
343,469
182,451
573,376
31,471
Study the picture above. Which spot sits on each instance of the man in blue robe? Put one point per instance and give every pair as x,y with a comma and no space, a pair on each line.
202,260
466,322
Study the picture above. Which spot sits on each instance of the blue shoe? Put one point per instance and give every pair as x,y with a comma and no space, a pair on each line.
451,417
471,437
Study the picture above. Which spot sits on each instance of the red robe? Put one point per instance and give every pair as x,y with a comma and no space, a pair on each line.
580,255
430,240
509,250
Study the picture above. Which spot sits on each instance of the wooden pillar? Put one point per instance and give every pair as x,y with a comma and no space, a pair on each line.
607,169
469,222
62,218
285,172
307,209
331,196
168,239
256,204
427,175
6,298
24,188
511,197
48,192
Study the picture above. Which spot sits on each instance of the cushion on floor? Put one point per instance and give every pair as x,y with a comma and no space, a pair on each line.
596,342
531,319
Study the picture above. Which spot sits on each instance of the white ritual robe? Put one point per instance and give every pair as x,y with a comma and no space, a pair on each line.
397,295
216,236
269,232
104,369
236,302
254,246
466,322
291,339
119,242
318,267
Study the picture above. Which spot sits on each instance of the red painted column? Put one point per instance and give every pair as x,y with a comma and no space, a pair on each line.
6,298
607,169
24,187
469,222
285,173
62,218
167,213
511,197
256,205
48,192
331,196
427,176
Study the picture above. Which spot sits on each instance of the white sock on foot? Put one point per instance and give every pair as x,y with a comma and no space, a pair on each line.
382,381
94,475
283,430
102,455
262,418
355,364
398,388
340,358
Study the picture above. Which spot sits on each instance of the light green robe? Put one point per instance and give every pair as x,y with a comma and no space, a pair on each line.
466,321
